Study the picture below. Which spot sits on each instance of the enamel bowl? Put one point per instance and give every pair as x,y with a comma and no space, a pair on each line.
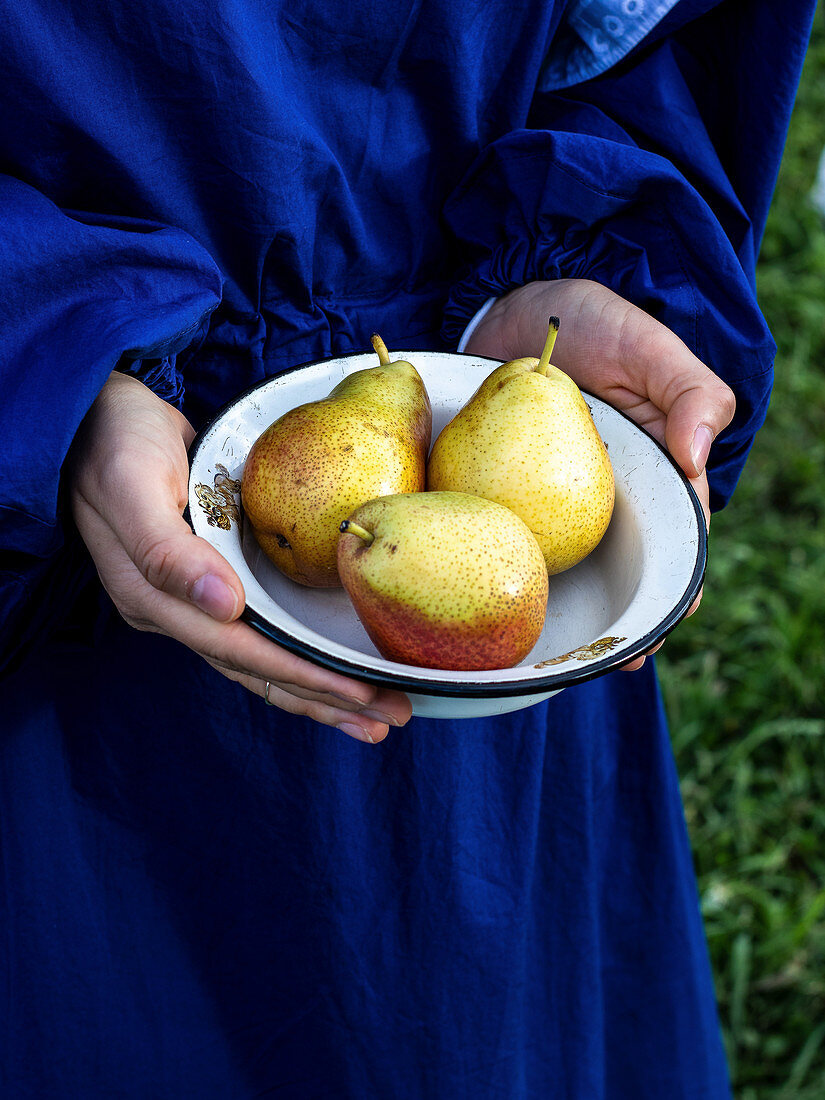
614,606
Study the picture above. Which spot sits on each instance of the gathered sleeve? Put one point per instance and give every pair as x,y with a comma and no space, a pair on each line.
653,179
81,295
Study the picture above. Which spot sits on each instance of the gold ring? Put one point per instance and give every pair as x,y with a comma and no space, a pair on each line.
267,700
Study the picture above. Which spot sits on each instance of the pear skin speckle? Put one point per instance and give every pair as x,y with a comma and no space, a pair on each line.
318,461
449,581
528,441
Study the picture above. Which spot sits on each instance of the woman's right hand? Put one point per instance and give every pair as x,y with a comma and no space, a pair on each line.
128,484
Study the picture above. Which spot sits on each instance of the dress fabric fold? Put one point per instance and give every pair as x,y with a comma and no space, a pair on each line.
204,896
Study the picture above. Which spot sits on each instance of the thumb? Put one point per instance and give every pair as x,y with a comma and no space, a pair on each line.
702,406
176,561
172,558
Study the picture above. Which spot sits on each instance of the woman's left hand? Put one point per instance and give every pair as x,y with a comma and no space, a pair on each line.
618,352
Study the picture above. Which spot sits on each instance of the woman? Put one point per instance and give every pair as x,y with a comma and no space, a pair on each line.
209,897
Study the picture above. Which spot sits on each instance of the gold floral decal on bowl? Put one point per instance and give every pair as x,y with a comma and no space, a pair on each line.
219,501
584,652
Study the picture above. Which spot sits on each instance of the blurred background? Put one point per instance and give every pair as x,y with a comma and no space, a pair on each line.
744,679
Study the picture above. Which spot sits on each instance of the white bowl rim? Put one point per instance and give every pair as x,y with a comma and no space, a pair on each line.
420,683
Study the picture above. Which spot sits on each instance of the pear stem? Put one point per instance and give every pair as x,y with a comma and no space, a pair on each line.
381,350
348,527
552,333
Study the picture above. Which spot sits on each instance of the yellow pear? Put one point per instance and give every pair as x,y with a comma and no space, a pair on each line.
369,437
444,580
527,440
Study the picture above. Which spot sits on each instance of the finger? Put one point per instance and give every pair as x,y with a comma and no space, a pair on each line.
702,489
236,648
361,726
694,607
698,406
388,708
633,666
354,724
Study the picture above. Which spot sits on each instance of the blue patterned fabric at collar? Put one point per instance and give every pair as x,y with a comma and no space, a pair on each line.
596,34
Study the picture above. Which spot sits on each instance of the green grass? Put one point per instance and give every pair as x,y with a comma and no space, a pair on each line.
744,679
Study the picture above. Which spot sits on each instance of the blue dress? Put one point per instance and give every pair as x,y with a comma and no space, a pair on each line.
204,897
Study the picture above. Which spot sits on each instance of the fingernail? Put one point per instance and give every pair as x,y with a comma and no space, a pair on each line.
355,731
700,448
379,716
213,596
